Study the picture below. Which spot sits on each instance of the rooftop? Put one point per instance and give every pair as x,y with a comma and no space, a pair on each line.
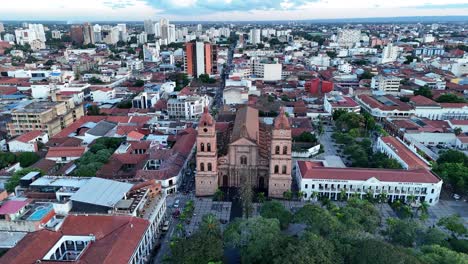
309,171
101,192
411,159
107,247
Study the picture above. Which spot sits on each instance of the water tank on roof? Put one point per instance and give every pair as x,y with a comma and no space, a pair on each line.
359,71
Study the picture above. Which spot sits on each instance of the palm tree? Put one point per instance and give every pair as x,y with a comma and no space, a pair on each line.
457,131
314,195
218,195
343,196
300,195
261,197
288,196
180,229
424,209
209,224
411,199
370,196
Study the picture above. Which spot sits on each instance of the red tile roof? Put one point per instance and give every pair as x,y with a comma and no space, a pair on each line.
135,135
420,100
374,103
57,152
309,171
117,238
25,138
12,206
413,161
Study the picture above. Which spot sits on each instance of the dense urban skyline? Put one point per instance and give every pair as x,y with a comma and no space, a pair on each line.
227,10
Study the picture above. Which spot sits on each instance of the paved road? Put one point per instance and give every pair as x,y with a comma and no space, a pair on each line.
165,242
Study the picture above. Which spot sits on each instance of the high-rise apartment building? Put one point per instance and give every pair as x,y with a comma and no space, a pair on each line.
149,26
88,34
122,32
389,53
97,33
50,117
39,31
2,28
200,58
76,34
348,37
255,36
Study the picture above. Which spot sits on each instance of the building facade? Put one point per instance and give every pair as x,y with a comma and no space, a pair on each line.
316,180
257,154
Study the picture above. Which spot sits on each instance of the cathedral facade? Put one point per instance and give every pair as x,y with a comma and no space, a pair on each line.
246,151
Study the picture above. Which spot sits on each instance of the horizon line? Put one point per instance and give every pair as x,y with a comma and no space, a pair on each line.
463,17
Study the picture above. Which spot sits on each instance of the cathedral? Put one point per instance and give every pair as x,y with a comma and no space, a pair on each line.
230,154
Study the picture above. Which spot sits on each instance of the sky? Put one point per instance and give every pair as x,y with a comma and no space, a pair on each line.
224,10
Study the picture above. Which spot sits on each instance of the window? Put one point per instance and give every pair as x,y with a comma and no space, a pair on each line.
202,147
306,186
285,150
284,169
202,166
208,147
432,191
277,150
276,168
209,166
243,160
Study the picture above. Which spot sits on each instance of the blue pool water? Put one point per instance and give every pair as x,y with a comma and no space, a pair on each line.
40,212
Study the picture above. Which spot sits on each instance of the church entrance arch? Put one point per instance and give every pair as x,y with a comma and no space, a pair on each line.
225,181
261,182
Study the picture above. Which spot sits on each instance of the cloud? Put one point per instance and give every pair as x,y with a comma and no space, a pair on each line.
118,4
444,6
209,6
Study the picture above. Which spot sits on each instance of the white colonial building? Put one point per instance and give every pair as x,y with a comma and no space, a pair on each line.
317,180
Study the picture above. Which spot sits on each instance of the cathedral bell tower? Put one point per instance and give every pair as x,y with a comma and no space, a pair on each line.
280,157
206,180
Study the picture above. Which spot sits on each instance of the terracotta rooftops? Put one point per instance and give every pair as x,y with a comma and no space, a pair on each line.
413,161
58,152
309,171
116,239
25,138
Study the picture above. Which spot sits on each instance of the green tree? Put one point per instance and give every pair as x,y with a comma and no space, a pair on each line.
14,180
6,159
94,80
261,197
454,224
246,196
218,195
288,195
403,232
274,209
377,251
139,83
27,159
337,113
452,156
204,246
93,110
309,248
424,91
319,220
433,236
436,254
450,98
255,237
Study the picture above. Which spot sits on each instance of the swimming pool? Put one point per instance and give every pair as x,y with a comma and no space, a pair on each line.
40,212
